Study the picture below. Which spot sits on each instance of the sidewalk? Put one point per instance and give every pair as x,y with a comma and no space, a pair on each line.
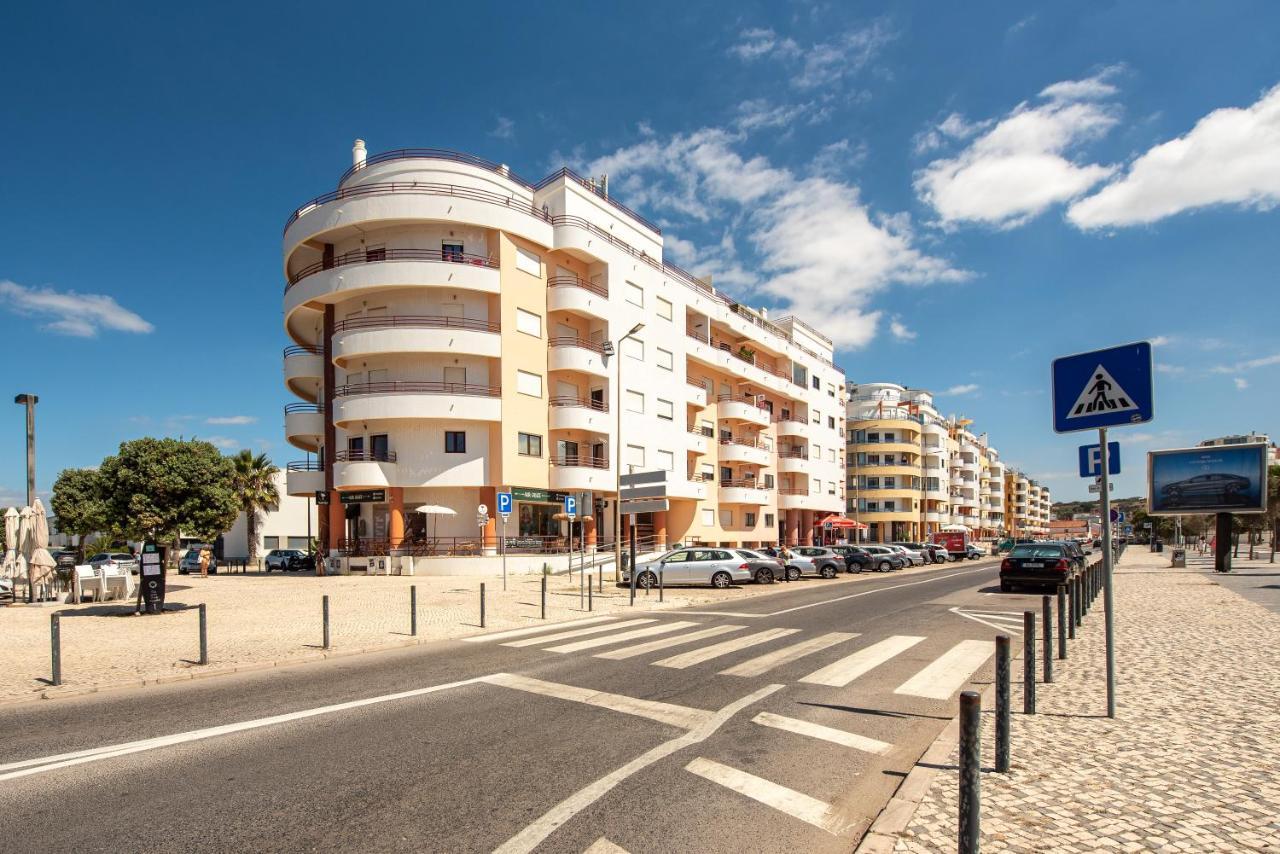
1192,761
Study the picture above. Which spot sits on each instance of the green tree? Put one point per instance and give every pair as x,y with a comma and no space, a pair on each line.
255,489
78,504
160,487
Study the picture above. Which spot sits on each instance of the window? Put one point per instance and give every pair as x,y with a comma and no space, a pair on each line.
635,456
817,452
528,445
635,294
832,454
633,348
378,446
799,375
666,460
831,422
817,383
831,487
664,359
768,519
451,250
750,520
709,517
299,543
635,401
455,442
664,308
355,445
665,410
529,323
530,384
817,417
726,518
375,252
527,261
890,506
271,542
768,481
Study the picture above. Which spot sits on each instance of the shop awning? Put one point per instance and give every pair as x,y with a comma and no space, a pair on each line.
837,521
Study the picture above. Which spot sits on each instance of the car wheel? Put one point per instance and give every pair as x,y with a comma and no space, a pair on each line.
181,571
828,571
646,580
855,567
1006,587
793,573
268,567
722,580
764,576
885,566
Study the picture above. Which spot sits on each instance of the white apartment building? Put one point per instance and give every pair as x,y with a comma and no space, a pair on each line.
459,330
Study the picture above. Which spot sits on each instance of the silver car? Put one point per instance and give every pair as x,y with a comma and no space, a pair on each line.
717,567
814,560
885,559
123,560
913,558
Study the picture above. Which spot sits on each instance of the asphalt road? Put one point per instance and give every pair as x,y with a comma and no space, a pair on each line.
553,743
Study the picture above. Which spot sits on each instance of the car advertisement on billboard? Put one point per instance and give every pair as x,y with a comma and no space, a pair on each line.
1219,479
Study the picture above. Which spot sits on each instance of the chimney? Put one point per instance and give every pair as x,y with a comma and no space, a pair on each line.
358,154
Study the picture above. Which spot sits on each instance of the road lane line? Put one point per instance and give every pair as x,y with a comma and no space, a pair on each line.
641,649
604,846
706,653
517,633
593,630
789,801
667,713
648,631
840,673
949,671
537,832
826,733
764,663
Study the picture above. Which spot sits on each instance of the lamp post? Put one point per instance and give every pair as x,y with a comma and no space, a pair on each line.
617,455
30,401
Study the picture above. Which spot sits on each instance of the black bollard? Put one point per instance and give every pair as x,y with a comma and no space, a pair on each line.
55,642
544,596
324,614
970,770
633,587
1062,622
590,599
204,634
413,610
482,604
1071,615
1003,678
1028,662
661,572
1048,639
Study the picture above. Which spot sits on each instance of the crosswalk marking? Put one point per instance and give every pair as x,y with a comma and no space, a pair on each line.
789,801
604,846
849,668
949,671
1001,622
593,630
653,646
667,713
826,733
764,663
516,633
706,653
648,631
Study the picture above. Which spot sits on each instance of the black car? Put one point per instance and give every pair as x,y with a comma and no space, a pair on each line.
1040,564
1205,489
856,559
290,560
1078,558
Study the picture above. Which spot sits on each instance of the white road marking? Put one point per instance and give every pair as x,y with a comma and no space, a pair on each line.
842,672
537,832
27,767
789,801
518,633
641,649
948,671
648,631
826,733
706,653
604,846
764,663
667,713
1000,627
593,630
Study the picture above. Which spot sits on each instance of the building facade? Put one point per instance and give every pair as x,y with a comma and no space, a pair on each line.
1027,505
458,330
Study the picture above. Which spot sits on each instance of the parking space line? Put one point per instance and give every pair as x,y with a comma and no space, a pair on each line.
652,646
826,733
948,671
518,633
648,631
667,713
789,801
575,633
849,668
706,653
764,663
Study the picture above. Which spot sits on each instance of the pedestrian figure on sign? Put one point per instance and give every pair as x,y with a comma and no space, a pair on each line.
1100,389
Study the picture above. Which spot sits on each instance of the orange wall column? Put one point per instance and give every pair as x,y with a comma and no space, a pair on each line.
793,527
806,527
489,498
589,527
337,524
660,529
395,526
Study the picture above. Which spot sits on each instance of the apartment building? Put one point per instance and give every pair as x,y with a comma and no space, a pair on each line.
1027,505
458,330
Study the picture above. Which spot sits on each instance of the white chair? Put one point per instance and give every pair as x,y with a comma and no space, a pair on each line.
85,580
115,582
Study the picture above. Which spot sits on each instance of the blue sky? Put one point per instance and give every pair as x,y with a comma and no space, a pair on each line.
960,192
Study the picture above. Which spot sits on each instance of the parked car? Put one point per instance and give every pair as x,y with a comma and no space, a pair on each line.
1078,559
717,567
6,589
286,560
814,560
856,558
124,560
886,559
191,562
926,554
914,558
972,552
935,552
1037,564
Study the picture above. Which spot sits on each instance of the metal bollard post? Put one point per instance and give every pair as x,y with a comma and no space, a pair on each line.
324,612
970,779
413,610
544,597
204,634
55,642
633,587
1002,702
1080,603
582,589
1028,662
1048,639
661,572
1062,622
590,599
1071,609
600,582
482,604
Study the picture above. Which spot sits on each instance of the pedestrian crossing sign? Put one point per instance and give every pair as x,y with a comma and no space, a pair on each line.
1103,388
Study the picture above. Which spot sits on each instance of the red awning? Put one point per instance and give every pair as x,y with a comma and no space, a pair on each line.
836,521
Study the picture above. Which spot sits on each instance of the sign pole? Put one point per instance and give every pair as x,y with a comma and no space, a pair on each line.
1107,570
504,552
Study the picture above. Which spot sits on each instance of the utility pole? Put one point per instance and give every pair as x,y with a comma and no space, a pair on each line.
30,401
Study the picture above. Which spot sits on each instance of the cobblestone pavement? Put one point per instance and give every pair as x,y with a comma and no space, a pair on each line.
1192,761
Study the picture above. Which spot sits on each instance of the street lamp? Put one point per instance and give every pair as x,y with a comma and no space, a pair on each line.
30,401
617,458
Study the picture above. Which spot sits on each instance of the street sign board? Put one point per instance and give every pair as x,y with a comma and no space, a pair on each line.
369,496
1096,486
322,497
652,505
571,505
1128,530
656,490
1116,516
1103,388
640,478
1091,459
1218,479
504,504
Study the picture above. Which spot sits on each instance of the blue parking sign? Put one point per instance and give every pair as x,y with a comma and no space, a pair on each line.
571,505
504,503
1091,459
1103,388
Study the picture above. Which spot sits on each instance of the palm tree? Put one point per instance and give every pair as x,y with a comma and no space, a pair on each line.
255,488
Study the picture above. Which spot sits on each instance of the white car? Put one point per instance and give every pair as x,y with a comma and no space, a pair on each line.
123,560
6,588
915,558
814,560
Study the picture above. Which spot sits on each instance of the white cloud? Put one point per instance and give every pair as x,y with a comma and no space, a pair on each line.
1247,365
221,442
757,113
504,129
1018,166
966,388
70,313
819,66
1173,370
231,419
1161,340
837,158
900,331
1241,383
760,41
1230,157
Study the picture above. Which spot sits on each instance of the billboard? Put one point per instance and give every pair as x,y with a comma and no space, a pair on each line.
1218,479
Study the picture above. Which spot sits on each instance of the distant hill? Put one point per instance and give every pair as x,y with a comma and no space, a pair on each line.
1066,509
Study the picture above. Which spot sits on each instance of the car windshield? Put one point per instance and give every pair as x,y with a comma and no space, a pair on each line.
1040,550
122,556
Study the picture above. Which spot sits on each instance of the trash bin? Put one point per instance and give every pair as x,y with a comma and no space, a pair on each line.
1159,546
1179,558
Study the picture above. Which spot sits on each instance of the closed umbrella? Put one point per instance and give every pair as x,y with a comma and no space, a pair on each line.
41,562
25,549
9,568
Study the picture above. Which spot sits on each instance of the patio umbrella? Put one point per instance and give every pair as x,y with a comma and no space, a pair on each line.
956,529
436,510
9,568
41,562
25,550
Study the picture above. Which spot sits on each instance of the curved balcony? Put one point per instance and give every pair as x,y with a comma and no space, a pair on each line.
796,461
887,448
303,478
742,492
576,354
696,487
364,469
579,413
416,400
303,371
700,440
304,425
744,451
731,359
793,498
697,393
582,473
359,337
798,427
730,408
569,293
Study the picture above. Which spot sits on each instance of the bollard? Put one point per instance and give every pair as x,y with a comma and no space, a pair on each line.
582,590
544,596
1062,622
1002,703
590,600
633,587
1080,603
55,642
1048,639
413,610
324,613
1071,615
970,758
1028,662
662,571
482,604
204,634
600,581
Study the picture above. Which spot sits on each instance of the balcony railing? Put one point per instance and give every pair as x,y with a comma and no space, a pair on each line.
574,341
348,455
371,256
701,476
579,461
575,282
746,442
579,402
291,408
409,387
412,321
744,484
793,453
706,432
793,490
300,350
733,398
304,465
